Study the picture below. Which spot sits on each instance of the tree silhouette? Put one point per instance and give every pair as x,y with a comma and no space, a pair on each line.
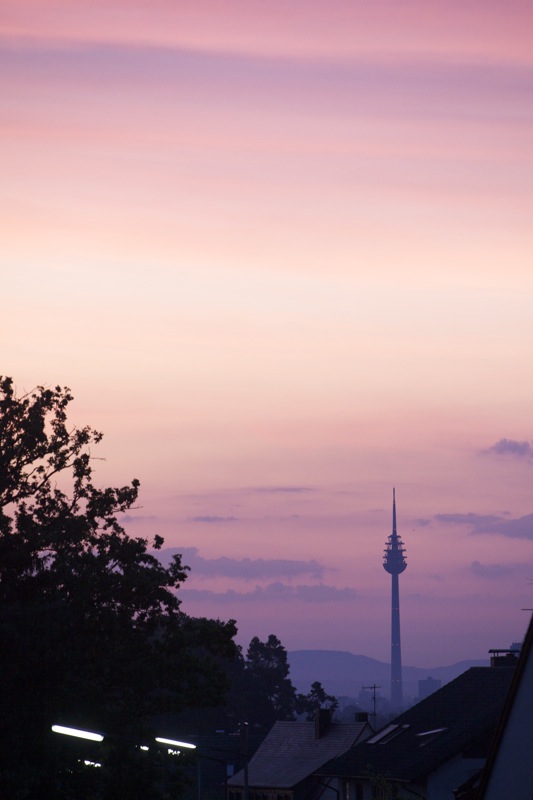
91,631
267,689
316,698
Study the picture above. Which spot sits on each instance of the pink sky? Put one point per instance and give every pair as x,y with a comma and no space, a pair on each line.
281,253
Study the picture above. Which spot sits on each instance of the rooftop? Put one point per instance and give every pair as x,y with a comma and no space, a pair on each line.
459,718
291,752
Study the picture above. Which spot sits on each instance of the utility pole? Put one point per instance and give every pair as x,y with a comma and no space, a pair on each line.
373,687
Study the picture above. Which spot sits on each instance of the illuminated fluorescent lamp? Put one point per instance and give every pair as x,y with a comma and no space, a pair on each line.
175,743
94,737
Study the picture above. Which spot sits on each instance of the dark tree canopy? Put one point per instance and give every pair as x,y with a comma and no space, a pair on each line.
316,698
91,631
267,689
262,690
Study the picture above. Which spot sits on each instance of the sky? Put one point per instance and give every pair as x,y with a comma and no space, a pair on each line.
282,255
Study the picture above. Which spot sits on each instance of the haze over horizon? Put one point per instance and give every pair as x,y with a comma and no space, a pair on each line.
281,253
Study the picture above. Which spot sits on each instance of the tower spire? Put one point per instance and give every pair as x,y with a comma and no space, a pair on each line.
395,562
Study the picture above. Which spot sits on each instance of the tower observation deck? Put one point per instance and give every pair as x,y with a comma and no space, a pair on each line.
395,562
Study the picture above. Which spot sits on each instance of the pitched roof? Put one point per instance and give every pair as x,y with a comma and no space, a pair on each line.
459,718
291,752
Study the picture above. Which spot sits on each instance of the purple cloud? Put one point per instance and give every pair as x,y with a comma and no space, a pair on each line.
324,594
489,570
520,528
243,568
283,489
476,521
510,447
212,519
318,593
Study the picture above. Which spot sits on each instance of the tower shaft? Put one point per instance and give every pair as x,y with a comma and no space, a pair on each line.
396,690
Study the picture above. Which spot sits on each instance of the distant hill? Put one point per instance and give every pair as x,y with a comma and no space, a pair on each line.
344,674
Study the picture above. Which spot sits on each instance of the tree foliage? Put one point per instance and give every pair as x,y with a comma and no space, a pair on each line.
265,686
316,698
262,691
91,631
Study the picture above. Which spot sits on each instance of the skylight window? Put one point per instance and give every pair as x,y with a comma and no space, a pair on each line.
388,733
381,734
428,736
429,733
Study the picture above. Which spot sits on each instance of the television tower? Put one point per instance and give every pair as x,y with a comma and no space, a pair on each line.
395,562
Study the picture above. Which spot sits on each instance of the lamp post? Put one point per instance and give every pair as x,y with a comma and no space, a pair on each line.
244,735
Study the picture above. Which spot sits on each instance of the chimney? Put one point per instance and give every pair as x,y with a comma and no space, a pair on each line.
322,721
503,658
361,716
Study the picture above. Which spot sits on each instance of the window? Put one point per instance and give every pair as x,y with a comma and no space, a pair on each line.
428,736
388,733
351,790
381,790
379,736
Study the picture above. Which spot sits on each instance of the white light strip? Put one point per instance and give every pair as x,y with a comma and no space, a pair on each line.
175,743
94,737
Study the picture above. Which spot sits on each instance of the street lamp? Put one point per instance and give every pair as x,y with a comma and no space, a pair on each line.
175,743
79,734
98,737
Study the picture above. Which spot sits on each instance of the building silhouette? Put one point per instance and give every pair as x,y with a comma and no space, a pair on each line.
395,562
427,686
